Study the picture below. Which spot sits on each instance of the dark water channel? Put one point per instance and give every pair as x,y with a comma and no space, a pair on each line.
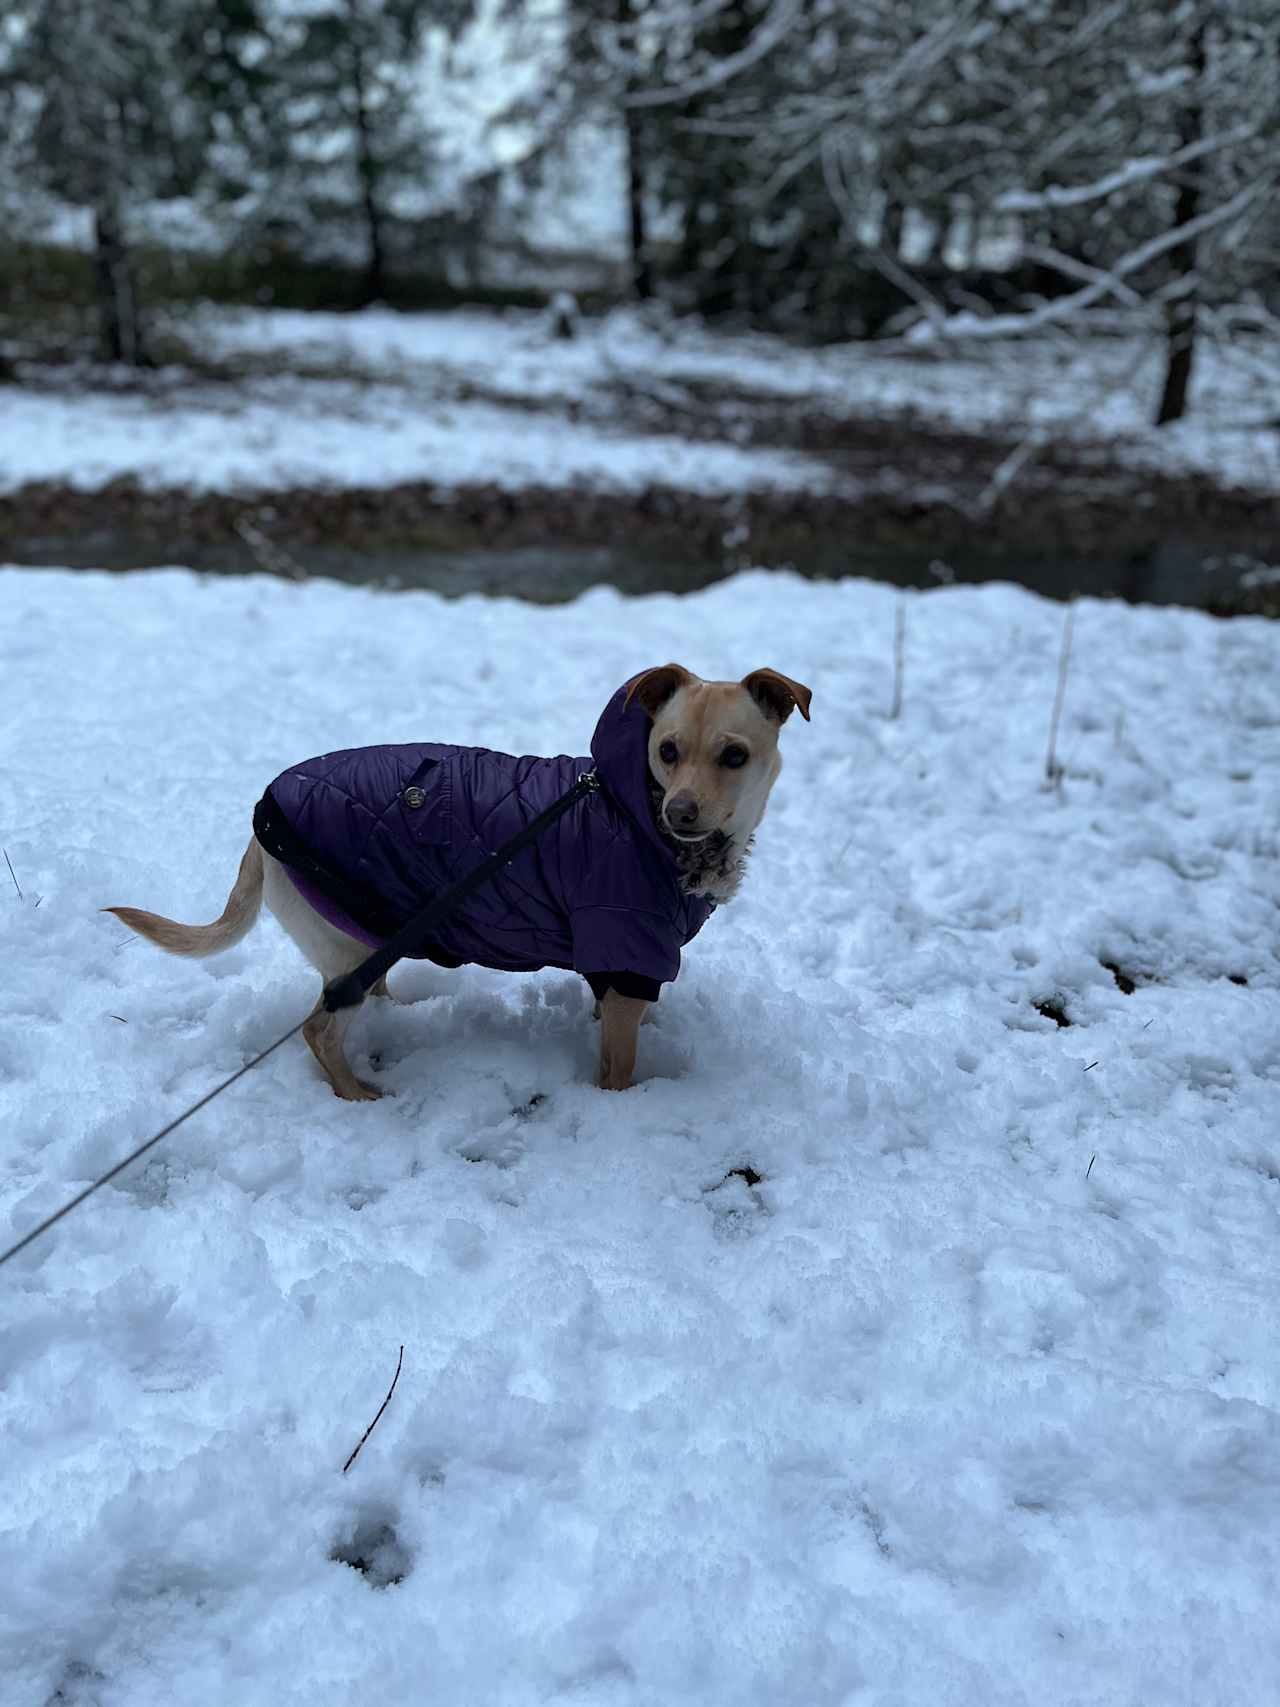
1171,573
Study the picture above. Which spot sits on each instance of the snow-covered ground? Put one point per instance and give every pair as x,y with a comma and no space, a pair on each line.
365,409
972,1398
379,397
287,432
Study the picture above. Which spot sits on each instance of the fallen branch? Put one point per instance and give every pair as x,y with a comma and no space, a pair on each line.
1037,437
382,1407
267,554
12,873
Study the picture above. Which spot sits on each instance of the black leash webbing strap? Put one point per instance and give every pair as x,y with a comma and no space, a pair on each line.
353,987
346,991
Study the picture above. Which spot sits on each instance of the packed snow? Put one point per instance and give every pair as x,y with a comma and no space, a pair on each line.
283,431
378,398
889,1343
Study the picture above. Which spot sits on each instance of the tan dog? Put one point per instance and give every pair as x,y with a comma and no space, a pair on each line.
713,759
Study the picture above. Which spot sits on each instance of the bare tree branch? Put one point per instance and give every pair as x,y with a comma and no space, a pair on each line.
1133,172
1066,307
768,35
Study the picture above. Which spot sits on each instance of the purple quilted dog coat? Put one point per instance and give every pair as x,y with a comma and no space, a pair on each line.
371,834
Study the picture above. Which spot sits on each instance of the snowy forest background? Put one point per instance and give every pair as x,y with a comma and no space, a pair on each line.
927,169
421,370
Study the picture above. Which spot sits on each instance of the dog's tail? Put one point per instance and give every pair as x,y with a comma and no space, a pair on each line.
196,940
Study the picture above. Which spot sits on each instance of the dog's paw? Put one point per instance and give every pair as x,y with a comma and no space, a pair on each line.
363,1091
610,1080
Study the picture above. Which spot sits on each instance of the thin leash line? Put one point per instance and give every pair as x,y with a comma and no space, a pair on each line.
346,991
142,1149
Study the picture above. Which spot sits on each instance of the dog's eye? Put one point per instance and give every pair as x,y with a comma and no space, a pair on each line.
734,757
667,752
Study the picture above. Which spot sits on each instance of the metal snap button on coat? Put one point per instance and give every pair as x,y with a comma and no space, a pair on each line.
414,797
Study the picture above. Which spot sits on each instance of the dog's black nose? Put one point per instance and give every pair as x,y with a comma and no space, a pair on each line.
682,812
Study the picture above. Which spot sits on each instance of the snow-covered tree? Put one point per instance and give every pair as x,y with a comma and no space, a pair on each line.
360,147
1124,153
643,67
593,55
107,106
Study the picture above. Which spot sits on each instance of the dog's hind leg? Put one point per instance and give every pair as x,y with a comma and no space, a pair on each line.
324,1033
332,952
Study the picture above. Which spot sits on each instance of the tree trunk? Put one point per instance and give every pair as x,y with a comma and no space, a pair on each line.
119,321
891,229
718,259
374,288
1180,319
375,272
1180,314
641,268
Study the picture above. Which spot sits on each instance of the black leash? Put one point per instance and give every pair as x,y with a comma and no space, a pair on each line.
353,987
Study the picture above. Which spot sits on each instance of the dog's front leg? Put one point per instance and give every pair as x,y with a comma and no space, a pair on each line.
620,1018
646,1018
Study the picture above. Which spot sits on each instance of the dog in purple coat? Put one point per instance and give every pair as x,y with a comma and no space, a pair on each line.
349,846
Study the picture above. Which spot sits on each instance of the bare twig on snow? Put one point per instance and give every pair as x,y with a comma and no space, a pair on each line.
382,1407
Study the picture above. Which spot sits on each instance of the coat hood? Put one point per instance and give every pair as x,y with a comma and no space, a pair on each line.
620,753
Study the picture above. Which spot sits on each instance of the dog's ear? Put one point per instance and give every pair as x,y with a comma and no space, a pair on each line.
777,695
653,688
